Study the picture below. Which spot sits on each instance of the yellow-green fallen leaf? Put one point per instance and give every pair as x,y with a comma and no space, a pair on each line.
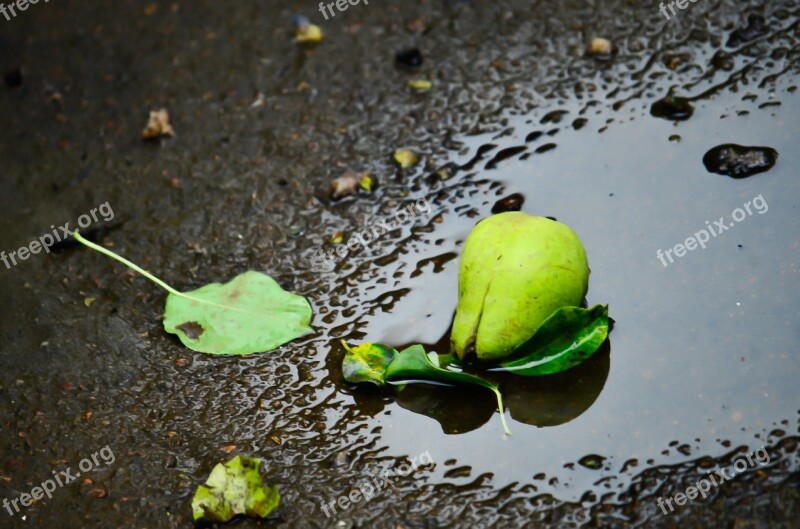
381,364
420,85
232,489
367,362
88,301
405,158
366,183
309,33
249,314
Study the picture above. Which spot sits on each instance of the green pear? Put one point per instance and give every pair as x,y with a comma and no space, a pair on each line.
516,270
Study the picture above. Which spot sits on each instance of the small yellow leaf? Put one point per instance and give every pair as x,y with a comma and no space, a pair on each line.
89,301
337,238
420,85
366,183
309,33
405,158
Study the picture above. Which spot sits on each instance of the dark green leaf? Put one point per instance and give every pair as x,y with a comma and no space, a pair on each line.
565,339
415,364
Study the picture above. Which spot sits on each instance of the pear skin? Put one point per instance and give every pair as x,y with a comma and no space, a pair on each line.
516,270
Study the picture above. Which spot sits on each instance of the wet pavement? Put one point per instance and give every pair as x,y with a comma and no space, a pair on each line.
700,370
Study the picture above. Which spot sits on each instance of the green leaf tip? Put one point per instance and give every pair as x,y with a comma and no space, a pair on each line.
232,489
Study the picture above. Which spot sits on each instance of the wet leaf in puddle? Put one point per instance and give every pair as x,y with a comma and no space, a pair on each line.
567,338
380,364
249,314
367,363
232,489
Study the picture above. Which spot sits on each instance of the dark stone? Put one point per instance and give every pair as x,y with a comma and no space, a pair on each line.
13,78
510,203
410,58
738,161
671,107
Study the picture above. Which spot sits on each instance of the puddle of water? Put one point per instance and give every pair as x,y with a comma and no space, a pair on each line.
703,347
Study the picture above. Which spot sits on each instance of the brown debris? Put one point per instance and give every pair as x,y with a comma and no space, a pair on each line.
349,184
158,125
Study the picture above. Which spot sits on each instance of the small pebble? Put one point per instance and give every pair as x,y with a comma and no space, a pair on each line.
592,461
409,58
510,203
602,49
13,78
671,107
